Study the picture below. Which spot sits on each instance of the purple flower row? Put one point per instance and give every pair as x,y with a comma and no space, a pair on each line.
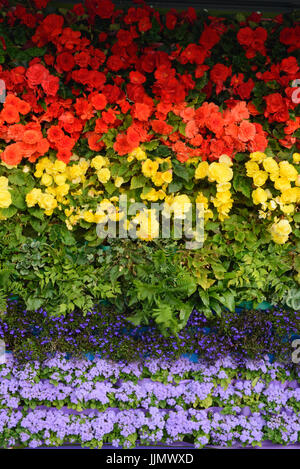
53,427
145,393
247,333
59,401
64,370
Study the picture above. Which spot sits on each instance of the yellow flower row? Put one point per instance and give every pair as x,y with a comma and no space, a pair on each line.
221,173
285,178
65,185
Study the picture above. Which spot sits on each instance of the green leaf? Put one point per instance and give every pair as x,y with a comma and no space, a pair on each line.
137,182
5,277
151,145
227,299
181,128
110,187
36,51
242,184
37,225
34,303
240,157
182,172
9,211
240,236
204,297
297,217
175,186
18,199
146,190
66,236
17,178
36,212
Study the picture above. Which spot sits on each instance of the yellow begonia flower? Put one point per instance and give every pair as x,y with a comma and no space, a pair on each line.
88,216
68,225
259,196
138,153
5,198
59,166
289,196
259,178
280,231
105,204
148,225
296,158
201,199
282,184
226,160
48,203
288,209
222,197
49,169
270,165
262,214
51,190
74,219
152,195
202,170
100,216
157,179
272,205
161,194
167,176
274,176
208,214
60,179
46,179
258,156
119,181
43,163
62,190
74,172
287,170
3,182
252,167
38,173
223,211
103,175
78,192
149,168
69,211
98,162
181,205
220,172
33,197
223,186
